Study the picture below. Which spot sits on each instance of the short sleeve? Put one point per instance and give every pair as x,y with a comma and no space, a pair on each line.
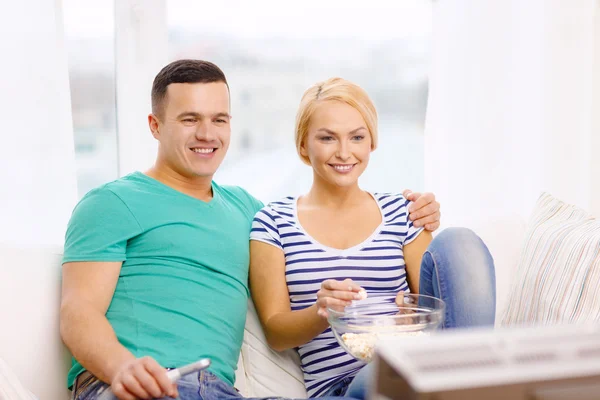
256,203
264,228
99,228
412,231
397,222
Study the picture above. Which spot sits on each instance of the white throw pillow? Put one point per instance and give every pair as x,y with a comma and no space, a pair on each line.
558,276
269,373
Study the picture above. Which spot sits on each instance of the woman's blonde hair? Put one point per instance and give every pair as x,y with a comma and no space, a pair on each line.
334,89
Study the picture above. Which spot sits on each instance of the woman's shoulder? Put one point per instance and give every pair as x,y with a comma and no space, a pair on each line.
387,199
393,205
283,203
280,208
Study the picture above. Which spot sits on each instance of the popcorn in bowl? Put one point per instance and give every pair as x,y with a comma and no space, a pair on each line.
362,345
359,327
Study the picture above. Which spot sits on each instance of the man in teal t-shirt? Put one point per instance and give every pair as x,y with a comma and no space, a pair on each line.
156,264
177,253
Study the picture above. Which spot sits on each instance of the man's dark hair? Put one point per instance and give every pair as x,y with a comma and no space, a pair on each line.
183,71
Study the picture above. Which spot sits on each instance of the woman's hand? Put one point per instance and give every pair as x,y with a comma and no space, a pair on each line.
400,298
337,295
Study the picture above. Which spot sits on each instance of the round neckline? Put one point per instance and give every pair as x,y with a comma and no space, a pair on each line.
210,203
340,252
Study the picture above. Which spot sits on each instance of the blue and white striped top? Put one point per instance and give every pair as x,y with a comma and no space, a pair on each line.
377,265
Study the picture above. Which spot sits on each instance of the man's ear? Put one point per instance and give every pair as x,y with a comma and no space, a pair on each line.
153,123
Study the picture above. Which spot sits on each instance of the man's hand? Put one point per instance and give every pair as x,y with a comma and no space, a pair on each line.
424,211
142,378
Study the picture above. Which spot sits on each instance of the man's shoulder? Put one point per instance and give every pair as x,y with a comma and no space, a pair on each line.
233,189
100,225
128,184
114,191
239,195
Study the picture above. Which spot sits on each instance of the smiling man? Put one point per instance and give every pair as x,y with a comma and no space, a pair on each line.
155,269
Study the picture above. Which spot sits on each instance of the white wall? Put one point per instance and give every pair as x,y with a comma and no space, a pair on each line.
568,102
511,107
37,167
514,108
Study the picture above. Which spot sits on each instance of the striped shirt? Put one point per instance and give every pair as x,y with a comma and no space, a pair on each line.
377,264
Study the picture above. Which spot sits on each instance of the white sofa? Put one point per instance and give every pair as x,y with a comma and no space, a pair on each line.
30,343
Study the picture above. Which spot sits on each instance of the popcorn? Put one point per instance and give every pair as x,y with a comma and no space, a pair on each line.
362,345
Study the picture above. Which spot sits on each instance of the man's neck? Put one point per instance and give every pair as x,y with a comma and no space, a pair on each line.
199,187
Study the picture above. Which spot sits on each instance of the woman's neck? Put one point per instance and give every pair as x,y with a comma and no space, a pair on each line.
323,194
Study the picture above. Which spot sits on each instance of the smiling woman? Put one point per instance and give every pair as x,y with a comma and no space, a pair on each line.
337,144
341,239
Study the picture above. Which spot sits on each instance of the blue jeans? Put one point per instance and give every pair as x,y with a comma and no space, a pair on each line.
202,385
459,269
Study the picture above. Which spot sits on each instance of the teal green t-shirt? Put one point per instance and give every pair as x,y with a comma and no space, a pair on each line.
183,287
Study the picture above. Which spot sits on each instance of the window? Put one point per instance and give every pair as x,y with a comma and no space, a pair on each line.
89,32
271,52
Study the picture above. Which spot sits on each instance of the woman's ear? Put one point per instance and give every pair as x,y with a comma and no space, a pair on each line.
303,151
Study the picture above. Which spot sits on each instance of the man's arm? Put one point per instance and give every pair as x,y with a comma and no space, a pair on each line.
87,291
425,210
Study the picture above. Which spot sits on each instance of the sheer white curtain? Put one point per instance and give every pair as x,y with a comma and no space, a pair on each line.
513,107
595,125
37,165
141,51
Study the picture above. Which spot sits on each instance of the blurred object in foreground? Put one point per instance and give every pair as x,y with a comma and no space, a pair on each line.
559,362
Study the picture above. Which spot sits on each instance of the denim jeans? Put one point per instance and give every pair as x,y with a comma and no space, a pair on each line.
202,385
457,268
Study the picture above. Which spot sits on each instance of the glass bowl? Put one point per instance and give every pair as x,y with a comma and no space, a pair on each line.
359,326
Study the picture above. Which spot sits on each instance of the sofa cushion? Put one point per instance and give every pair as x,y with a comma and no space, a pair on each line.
30,298
269,372
30,295
504,236
11,387
558,276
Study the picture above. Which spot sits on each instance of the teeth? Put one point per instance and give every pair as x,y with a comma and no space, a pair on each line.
203,151
343,167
